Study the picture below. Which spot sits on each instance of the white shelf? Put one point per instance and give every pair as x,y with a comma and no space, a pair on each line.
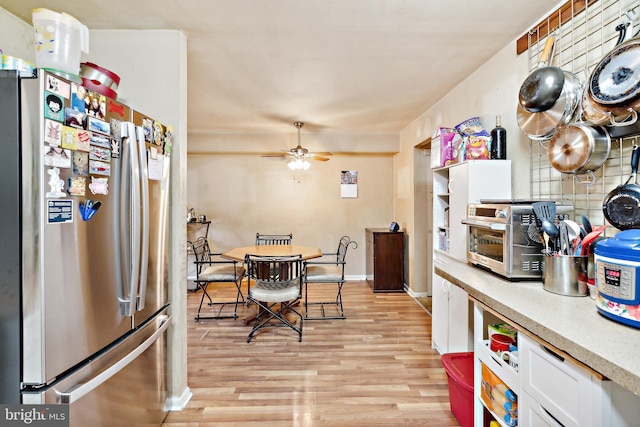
502,369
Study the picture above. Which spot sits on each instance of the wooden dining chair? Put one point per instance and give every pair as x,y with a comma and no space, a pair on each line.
329,269
211,268
276,295
273,239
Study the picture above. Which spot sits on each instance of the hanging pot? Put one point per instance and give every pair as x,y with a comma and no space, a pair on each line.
541,89
543,125
615,80
537,116
621,207
578,148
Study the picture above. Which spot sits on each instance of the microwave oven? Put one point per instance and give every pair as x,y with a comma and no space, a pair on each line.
505,238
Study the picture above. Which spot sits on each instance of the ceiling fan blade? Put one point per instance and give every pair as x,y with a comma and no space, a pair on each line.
322,153
322,159
275,155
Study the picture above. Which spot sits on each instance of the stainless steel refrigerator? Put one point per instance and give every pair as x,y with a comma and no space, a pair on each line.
83,253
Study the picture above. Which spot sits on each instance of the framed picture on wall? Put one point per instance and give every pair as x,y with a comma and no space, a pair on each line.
349,184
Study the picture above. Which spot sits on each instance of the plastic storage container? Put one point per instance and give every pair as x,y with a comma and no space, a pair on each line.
459,367
59,40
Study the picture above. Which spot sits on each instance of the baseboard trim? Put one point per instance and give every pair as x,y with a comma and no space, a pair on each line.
178,403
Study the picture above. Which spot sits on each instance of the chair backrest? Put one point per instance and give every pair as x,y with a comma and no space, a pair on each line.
343,245
274,268
273,239
202,253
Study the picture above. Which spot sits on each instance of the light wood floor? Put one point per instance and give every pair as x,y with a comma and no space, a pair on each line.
375,368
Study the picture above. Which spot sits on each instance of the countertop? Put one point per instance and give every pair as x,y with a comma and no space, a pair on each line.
571,324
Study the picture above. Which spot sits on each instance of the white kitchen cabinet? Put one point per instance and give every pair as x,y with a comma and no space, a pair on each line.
454,187
471,182
451,330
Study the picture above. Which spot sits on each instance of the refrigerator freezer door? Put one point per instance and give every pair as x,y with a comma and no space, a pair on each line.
10,356
124,386
73,284
154,171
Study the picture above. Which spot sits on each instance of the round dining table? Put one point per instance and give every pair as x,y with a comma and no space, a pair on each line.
239,254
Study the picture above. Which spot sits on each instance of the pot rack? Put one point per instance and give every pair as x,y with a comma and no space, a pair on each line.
585,32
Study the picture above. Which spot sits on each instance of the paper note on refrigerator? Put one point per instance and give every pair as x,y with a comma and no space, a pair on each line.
155,167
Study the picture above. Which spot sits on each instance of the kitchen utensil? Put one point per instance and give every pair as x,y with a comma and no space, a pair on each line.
545,237
542,88
106,77
573,228
621,207
565,242
500,342
543,124
586,223
566,275
615,81
60,40
550,228
96,86
610,115
589,239
578,148
533,233
545,210
99,79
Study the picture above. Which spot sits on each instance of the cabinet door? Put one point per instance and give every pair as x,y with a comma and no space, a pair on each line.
440,315
565,391
458,319
458,199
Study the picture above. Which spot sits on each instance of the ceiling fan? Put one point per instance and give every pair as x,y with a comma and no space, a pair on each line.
299,156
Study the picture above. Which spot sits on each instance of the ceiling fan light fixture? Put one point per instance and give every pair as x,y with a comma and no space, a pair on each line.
297,164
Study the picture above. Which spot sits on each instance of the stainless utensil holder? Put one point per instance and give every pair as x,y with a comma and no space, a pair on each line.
566,275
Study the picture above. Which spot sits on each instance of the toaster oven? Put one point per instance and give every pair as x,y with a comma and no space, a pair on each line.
505,238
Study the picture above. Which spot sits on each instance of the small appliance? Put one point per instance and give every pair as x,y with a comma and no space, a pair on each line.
503,237
617,272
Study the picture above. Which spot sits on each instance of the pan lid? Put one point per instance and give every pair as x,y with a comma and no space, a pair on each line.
569,150
616,78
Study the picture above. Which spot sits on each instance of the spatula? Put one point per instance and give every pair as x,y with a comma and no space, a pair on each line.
545,210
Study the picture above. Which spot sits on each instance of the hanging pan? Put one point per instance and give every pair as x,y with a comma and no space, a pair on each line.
578,148
542,88
620,118
621,207
615,81
536,119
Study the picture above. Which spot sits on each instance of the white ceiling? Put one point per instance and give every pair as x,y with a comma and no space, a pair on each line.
336,65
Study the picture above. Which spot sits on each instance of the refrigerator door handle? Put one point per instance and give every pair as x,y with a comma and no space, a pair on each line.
131,200
79,390
144,253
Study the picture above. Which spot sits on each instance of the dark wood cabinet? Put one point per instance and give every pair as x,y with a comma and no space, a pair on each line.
385,260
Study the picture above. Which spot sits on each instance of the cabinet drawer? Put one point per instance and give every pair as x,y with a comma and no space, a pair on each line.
567,392
531,413
502,369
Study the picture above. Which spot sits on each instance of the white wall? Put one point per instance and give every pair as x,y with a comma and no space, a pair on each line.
16,37
492,90
245,193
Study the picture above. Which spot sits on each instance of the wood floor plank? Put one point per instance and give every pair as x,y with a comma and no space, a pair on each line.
375,368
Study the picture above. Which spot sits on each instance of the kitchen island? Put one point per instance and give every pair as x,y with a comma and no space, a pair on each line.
571,324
